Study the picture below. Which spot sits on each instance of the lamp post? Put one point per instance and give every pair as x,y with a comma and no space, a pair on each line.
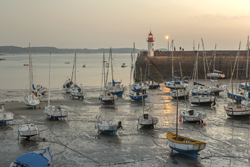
167,37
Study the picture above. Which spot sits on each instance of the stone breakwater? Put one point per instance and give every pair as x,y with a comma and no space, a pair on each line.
155,67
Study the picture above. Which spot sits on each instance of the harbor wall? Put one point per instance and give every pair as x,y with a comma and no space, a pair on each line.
156,66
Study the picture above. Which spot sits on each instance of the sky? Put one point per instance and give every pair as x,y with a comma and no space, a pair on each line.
97,24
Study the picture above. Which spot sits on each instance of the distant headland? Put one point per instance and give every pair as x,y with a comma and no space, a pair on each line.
20,50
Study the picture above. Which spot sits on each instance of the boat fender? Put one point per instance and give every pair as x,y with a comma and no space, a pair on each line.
217,86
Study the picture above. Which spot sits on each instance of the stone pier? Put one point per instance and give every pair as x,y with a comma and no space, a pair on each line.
159,67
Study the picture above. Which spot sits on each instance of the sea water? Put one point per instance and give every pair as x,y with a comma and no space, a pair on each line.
14,75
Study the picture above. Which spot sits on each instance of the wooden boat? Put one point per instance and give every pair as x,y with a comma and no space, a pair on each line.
185,145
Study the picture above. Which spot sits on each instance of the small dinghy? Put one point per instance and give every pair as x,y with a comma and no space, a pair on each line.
192,115
76,92
5,116
67,85
84,65
182,93
28,130
108,127
185,145
37,158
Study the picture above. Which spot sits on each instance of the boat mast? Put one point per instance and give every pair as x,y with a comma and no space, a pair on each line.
135,62
111,66
177,115
131,68
214,58
104,83
247,57
204,60
172,58
49,77
75,69
30,70
142,94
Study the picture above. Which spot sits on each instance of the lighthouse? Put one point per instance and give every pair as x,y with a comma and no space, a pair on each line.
150,41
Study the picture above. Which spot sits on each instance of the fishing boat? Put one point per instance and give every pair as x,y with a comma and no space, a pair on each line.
106,97
191,115
182,144
123,65
37,158
31,99
115,88
5,116
54,112
28,130
107,127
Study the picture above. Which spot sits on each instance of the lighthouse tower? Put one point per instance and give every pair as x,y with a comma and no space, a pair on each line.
150,41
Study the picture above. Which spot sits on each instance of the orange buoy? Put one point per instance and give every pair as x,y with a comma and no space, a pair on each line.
43,139
180,116
70,96
204,123
197,123
45,94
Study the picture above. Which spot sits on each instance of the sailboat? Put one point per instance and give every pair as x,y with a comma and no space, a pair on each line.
176,82
5,116
215,87
28,130
245,85
106,97
239,109
107,127
54,112
76,91
115,88
216,74
31,99
240,94
150,82
146,119
37,158
182,144
200,95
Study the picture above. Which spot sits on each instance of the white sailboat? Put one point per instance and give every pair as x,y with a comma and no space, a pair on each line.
5,116
28,130
54,112
31,99
75,90
176,82
216,74
106,97
113,87
182,144
239,109
198,98
191,115
146,119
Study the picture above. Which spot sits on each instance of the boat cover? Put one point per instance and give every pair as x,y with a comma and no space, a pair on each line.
196,83
115,82
150,78
32,159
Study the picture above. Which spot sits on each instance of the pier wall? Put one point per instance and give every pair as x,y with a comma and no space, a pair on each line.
156,65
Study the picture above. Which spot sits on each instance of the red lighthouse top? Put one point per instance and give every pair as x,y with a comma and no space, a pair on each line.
150,37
